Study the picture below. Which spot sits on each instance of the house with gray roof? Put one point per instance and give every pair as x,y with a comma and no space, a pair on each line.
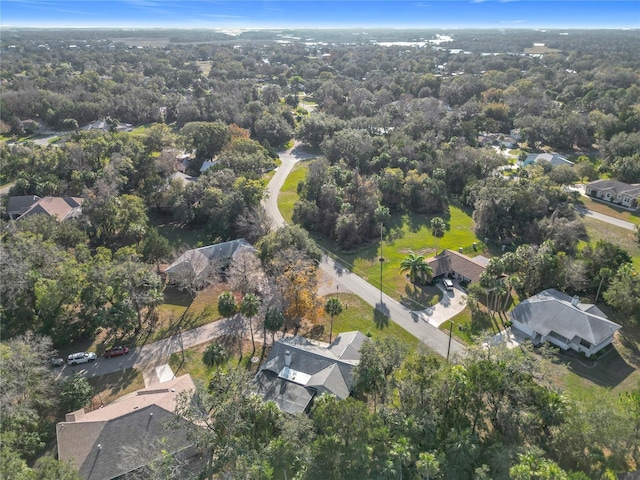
126,434
195,264
553,158
298,370
620,193
552,316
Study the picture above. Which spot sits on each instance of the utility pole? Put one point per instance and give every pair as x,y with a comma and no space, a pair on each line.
450,332
381,262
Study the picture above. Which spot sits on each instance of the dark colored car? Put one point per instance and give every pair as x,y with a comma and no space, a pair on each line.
56,361
115,352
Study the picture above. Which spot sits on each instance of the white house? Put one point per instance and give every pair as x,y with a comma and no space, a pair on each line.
553,158
551,316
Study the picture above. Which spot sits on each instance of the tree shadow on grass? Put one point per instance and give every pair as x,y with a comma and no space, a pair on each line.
609,370
418,297
381,315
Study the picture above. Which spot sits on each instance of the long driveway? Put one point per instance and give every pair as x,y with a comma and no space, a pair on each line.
413,322
156,353
606,218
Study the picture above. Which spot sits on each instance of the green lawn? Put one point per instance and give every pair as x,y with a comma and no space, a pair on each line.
113,385
407,232
177,233
611,210
359,315
597,230
288,194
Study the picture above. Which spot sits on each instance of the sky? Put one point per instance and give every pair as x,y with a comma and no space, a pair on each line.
234,14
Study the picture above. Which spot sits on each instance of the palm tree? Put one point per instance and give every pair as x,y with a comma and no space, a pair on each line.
213,355
333,307
417,267
438,227
249,308
273,321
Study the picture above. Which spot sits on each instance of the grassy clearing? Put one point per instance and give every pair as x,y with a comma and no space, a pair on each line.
614,371
359,315
179,235
113,385
611,210
180,312
194,366
409,232
288,194
597,230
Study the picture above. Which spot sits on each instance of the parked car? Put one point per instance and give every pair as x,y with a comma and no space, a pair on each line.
448,284
55,362
116,352
81,357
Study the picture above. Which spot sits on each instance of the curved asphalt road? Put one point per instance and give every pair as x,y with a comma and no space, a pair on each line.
435,339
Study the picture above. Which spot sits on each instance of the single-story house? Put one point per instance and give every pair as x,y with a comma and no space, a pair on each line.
127,434
62,208
194,264
552,316
105,126
458,265
298,370
553,158
621,193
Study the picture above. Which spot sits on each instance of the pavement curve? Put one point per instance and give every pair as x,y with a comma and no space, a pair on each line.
433,338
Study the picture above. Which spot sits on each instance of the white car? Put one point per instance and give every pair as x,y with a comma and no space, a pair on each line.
81,357
448,284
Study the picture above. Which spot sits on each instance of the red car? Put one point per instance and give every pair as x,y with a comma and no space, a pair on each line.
115,352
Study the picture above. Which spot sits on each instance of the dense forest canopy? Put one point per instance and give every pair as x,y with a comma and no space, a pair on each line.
191,123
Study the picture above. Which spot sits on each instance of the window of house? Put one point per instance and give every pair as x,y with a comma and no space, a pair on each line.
584,343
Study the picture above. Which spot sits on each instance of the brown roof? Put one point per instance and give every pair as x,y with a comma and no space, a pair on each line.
452,261
96,442
19,204
59,207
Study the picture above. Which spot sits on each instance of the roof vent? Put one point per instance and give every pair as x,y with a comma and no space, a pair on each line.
287,358
575,300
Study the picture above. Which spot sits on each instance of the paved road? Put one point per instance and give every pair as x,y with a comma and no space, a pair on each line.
410,321
4,190
156,353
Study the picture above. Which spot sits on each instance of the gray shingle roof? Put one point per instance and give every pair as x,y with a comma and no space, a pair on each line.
616,187
555,159
323,370
552,310
199,259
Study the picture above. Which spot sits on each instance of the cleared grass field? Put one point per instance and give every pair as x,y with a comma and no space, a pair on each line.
288,194
597,230
359,315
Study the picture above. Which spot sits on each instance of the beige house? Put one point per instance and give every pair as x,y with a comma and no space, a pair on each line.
62,208
126,434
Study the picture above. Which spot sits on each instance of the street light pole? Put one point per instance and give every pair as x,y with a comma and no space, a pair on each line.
381,261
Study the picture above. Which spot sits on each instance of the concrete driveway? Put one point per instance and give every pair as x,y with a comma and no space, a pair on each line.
452,303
